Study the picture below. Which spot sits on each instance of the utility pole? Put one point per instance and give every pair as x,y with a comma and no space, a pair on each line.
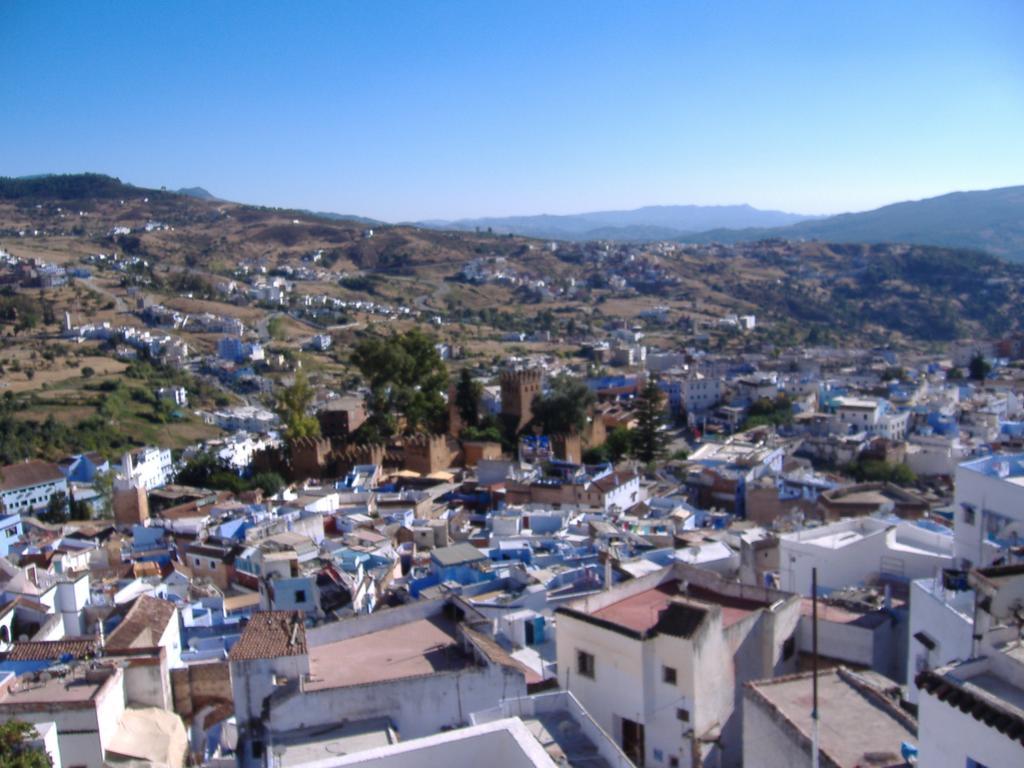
814,667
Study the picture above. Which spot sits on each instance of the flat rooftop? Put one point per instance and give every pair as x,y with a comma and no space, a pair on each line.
48,688
854,721
564,740
642,611
416,648
308,745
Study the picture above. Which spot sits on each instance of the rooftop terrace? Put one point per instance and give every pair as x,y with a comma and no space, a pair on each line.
422,647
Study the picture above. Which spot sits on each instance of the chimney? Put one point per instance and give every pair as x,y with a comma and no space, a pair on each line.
608,572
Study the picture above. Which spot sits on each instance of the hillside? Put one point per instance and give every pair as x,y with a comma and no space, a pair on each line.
802,292
656,222
990,220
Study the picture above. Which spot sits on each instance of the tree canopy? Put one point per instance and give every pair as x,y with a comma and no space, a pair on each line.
979,368
292,406
467,399
406,376
15,751
649,439
563,408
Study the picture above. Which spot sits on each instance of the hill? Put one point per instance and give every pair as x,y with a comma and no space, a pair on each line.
801,291
196,192
990,220
654,222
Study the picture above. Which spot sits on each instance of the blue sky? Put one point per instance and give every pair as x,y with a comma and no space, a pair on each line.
413,110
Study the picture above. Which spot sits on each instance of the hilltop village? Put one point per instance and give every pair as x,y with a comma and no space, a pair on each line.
307,513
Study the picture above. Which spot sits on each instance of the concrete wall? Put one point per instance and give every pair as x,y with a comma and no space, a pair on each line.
983,492
947,737
418,706
857,562
948,619
768,741
253,681
199,685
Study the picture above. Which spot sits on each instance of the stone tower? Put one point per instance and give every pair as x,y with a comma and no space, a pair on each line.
518,388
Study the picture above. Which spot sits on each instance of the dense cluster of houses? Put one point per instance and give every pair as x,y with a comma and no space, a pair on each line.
422,600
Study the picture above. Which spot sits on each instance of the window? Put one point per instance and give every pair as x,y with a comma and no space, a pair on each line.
673,761
683,715
198,561
585,664
972,763
969,515
668,675
213,563
300,595
788,648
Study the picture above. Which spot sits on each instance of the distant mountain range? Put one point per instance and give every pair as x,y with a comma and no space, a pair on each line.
990,220
654,222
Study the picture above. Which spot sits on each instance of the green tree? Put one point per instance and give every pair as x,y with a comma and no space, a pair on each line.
618,444
954,374
292,405
15,751
649,438
563,408
406,376
467,399
56,509
269,482
979,368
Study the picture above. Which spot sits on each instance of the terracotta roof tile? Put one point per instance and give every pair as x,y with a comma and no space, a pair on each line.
143,625
52,650
28,473
271,634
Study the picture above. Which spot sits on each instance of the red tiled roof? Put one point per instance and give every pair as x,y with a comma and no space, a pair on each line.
52,650
28,473
143,625
271,634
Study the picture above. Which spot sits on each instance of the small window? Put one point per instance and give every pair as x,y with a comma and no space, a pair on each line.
585,664
673,761
969,515
213,563
683,715
198,561
300,595
788,648
668,675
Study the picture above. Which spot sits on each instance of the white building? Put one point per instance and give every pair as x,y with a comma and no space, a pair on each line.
860,551
989,504
419,665
858,724
148,467
28,487
972,714
870,415
176,395
659,661
243,418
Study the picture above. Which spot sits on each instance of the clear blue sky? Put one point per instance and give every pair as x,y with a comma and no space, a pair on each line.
411,110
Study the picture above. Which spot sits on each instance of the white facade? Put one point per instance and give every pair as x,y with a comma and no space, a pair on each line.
941,625
989,504
677,682
31,497
955,731
148,467
857,551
